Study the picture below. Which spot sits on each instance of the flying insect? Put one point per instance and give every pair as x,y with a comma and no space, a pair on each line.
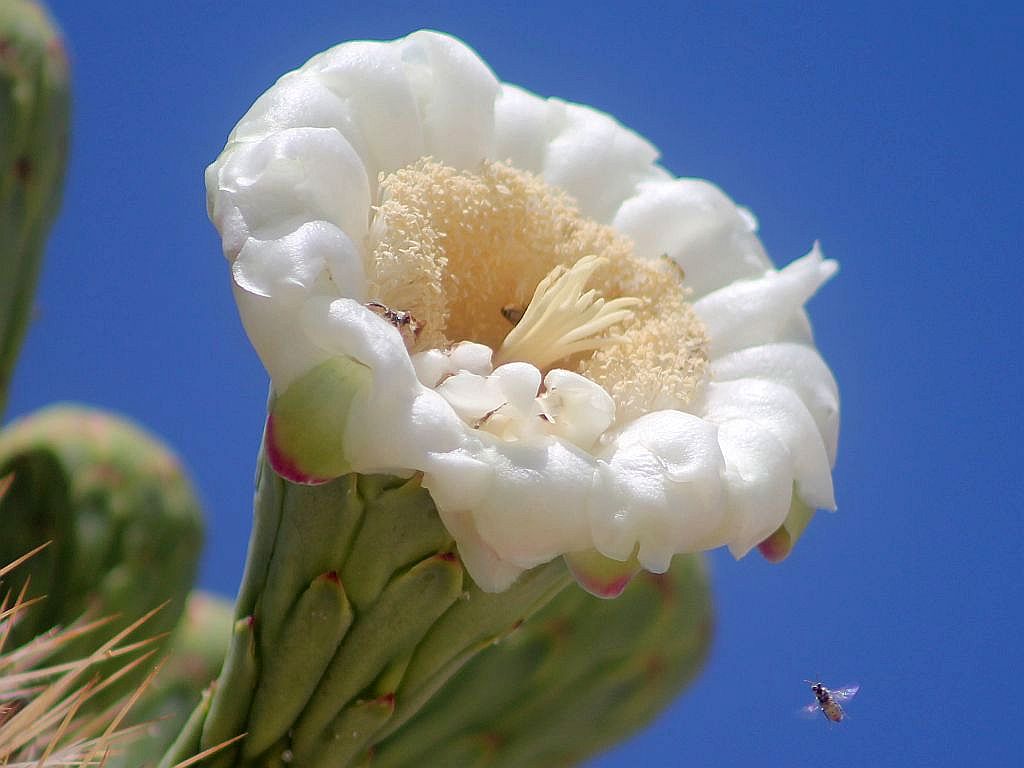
829,701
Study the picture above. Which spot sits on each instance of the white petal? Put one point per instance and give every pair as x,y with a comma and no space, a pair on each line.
275,330
434,365
519,384
799,367
294,266
597,161
455,92
751,312
302,99
695,224
490,572
534,508
370,78
346,327
661,489
469,356
269,188
399,420
578,409
524,123
472,396
758,489
776,408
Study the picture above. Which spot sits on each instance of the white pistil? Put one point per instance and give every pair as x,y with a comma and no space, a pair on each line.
561,320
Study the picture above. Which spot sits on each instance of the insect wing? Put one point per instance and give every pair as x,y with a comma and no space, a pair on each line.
811,710
845,694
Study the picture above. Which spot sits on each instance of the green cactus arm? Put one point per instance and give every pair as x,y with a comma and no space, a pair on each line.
124,521
35,109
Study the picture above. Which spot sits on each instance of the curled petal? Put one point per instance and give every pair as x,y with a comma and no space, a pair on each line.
692,222
799,367
661,489
758,472
372,80
316,256
751,312
269,188
527,501
777,409
455,93
597,161
524,125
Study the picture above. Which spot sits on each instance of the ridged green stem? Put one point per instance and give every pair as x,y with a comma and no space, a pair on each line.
354,608
581,675
360,641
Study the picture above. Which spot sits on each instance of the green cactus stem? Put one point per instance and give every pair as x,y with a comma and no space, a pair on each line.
578,677
125,526
356,622
35,112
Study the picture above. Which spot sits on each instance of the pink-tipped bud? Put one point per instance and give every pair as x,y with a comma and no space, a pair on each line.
777,547
599,575
305,436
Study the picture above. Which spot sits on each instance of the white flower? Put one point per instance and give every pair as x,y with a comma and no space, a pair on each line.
449,275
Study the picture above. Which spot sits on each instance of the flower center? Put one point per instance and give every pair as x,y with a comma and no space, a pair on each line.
468,253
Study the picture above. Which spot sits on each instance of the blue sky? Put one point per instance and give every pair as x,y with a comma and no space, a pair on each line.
890,132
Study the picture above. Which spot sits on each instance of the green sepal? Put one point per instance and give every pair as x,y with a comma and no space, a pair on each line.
307,422
296,661
462,672
479,620
233,693
187,742
399,527
315,529
398,620
351,731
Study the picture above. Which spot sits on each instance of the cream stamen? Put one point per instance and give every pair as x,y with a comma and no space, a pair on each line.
561,320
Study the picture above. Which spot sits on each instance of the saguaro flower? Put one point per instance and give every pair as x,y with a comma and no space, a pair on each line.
448,275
